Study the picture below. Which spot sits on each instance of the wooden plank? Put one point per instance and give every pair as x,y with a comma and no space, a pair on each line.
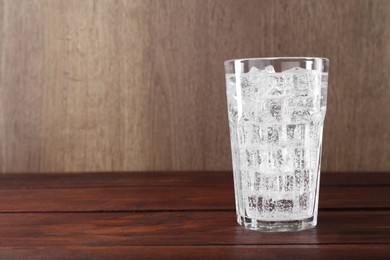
143,198
117,85
200,252
152,179
186,228
111,198
164,191
355,179
354,197
116,179
171,198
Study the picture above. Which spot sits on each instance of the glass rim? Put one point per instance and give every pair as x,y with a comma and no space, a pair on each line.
322,59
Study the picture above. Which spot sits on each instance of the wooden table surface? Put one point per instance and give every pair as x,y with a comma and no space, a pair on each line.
181,215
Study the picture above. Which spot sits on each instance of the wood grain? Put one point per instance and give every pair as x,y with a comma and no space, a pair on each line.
149,180
178,229
168,198
200,252
156,191
139,85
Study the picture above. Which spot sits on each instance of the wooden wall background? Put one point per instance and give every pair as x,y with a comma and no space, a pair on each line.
139,85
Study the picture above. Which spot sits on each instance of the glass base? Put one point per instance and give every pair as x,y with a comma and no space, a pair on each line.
277,226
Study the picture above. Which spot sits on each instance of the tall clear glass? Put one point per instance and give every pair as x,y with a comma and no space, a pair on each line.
276,110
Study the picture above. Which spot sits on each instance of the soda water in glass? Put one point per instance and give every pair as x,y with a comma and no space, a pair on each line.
276,110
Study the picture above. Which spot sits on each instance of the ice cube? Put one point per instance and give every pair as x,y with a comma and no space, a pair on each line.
285,205
304,201
269,205
269,69
289,183
249,109
277,158
296,131
256,82
256,134
275,108
254,70
299,158
273,134
252,202
260,207
301,114
250,83
257,183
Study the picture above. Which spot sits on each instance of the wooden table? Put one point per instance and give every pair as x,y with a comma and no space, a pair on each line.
181,215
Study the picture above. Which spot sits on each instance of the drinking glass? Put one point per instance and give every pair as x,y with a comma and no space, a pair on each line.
276,109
